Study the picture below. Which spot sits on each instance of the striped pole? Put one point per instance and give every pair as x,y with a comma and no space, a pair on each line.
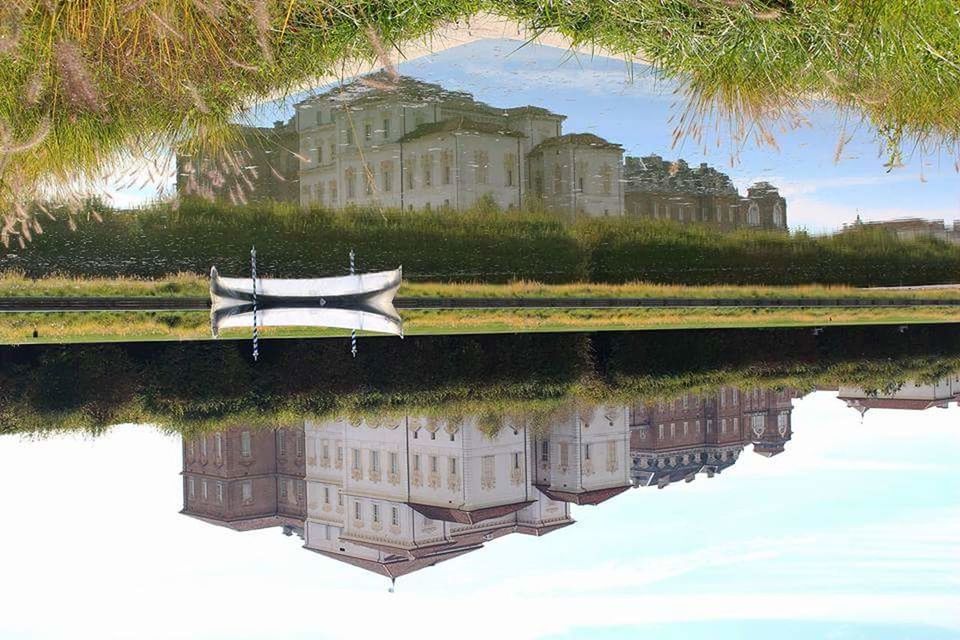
353,332
256,328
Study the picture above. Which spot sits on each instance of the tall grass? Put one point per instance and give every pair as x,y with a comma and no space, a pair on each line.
478,246
85,80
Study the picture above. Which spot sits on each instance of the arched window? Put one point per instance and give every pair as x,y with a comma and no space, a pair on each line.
753,215
778,216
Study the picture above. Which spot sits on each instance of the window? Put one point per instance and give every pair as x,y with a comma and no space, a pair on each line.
386,171
368,181
753,214
433,464
408,167
452,438
606,178
416,461
545,451
339,456
564,454
246,491
778,216
319,199
301,485
367,131
395,516
218,446
282,442
191,448
333,150
723,425
319,117
673,429
203,489
509,163
557,178
375,461
487,471
426,162
283,488
660,429
356,458
191,486
325,455
339,499
446,162
357,511
453,466
481,162
782,422
719,214
386,128
349,135
333,192
685,428
736,397
350,177
516,460
394,462
203,447
326,495
220,492
320,152
416,434
299,447
580,184
757,424
586,452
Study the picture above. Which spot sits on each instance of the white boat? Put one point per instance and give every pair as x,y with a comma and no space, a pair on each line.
362,302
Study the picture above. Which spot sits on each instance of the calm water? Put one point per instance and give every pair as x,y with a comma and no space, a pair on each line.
730,510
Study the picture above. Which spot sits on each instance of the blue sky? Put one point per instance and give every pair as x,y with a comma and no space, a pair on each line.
851,533
629,105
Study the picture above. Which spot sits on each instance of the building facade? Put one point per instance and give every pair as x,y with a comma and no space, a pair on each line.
412,145
662,190
672,441
911,228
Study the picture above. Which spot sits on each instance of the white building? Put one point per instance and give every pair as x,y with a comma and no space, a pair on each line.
408,493
911,396
411,145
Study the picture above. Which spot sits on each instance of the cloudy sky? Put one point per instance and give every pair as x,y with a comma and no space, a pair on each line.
851,533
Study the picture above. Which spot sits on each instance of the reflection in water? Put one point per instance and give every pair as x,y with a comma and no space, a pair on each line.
398,494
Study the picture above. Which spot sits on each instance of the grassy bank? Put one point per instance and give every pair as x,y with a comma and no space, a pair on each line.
483,246
91,327
15,284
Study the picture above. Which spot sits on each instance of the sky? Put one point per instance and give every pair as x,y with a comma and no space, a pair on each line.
851,533
629,105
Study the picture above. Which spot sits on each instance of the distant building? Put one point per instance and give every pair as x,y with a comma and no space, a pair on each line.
263,167
913,396
673,441
244,478
412,145
911,228
662,190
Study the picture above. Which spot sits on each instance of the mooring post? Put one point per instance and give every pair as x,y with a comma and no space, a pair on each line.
353,332
256,329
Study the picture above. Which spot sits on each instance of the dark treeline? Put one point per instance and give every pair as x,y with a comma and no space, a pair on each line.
195,385
483,245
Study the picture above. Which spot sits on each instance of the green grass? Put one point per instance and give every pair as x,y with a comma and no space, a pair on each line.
94,327
14,284
85,80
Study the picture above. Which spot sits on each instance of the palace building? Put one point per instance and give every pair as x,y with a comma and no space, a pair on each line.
672,441
662,190
411,145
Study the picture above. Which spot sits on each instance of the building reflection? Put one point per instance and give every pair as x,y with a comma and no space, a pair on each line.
914,396
401,493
